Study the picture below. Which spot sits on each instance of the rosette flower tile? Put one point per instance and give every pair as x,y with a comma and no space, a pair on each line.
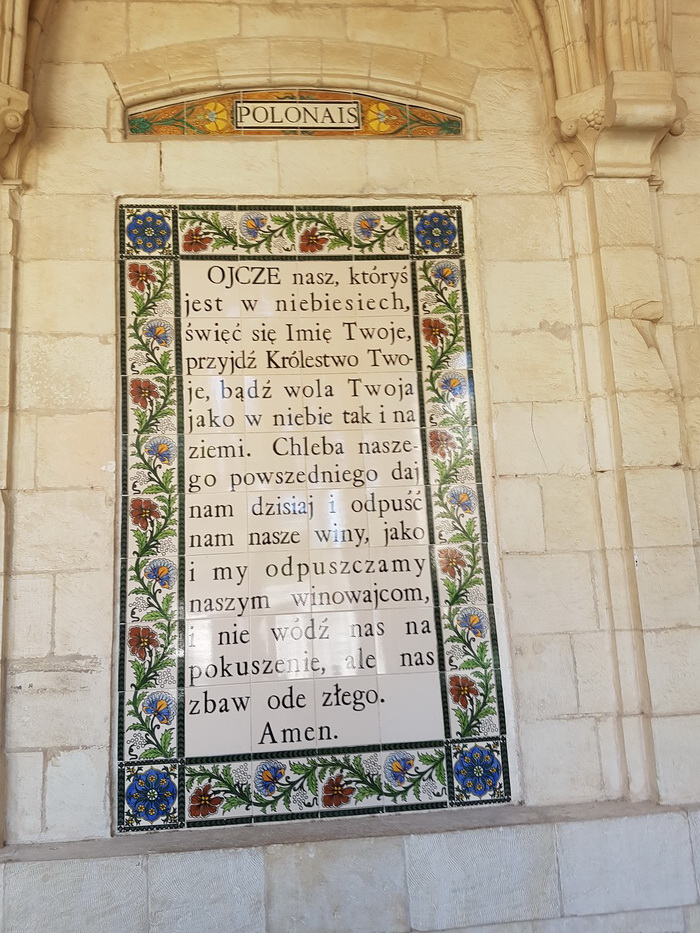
148,232
477,770
436,232
151,795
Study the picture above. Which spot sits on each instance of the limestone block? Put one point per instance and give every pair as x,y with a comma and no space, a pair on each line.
687,341
311,166
448,76
615,784
30,615
631,666
7,277
678,160
694,274
691,411
500,164
672,669
265,21
528,295
544,677
692,919
84,162
532,366
637,748
50,303
302,883
637,365
86,32
397,67
650,429
73,95
667,578
519,511
572,773
550,593
488,39
679,225
139,79
295,59
523,926
547,438
423,31
623,211
230,54
595,672
23,451
678,278
5,376
90,439
25,777
625,864
669,920
688,87
62,531
524,228
246,166
179,22
677,744
218,890
519,861
84,613
686,36
64,706
508,100
413,167
107,894
54,373
570,510
84,222
631,280
341,59
659,504
88,769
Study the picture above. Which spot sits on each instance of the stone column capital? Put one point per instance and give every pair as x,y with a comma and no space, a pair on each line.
14,105
613,129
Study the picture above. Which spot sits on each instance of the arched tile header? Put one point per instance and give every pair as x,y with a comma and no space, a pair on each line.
294,112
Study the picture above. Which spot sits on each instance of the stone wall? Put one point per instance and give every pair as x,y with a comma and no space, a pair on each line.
586,355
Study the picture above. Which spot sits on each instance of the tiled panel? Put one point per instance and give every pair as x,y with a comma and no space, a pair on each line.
306,619
294,112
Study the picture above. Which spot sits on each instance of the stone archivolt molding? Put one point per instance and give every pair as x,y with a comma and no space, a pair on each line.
605,65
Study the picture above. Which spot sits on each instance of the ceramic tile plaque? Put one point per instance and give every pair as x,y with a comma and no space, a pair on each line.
306,619
293,111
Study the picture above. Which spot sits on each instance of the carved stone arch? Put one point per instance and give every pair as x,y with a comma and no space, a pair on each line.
201,68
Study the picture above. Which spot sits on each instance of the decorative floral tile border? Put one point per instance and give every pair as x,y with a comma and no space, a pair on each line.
157,786
220,115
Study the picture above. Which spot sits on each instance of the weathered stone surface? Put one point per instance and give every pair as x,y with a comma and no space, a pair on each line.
519,861
607,866
302,882
217,890
64,896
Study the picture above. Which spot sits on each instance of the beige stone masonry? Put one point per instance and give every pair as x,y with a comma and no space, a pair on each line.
586,392
252,61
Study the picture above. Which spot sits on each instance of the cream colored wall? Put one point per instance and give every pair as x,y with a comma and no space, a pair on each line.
568,452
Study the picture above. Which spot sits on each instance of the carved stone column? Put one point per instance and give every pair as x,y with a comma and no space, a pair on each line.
615,103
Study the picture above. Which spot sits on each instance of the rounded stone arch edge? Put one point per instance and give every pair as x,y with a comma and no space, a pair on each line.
244,64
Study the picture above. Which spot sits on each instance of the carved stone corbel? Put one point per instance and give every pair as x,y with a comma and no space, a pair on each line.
14,105
613,129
